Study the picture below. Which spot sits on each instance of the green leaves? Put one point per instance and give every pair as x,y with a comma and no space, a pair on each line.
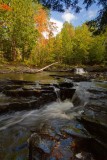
20,28
97,50
79,46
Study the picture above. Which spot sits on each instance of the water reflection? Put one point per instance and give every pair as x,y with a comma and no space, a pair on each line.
42,77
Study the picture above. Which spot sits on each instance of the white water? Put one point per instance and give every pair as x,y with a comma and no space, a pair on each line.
79,71
35,117
57,91
60,110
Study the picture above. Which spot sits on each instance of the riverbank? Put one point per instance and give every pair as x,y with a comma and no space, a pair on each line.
22,68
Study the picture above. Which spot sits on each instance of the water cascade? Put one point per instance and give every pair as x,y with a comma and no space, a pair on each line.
57,120
57,92
79,71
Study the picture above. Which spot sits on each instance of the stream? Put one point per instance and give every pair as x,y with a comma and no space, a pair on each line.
17,126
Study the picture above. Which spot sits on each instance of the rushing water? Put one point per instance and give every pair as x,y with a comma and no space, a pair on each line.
80,71
16,127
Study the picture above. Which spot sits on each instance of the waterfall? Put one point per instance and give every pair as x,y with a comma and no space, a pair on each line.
79,71
57,92
38,85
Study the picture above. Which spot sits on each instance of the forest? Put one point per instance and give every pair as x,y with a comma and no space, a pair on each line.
22,24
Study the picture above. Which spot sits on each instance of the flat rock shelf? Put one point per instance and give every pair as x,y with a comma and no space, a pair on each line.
54,121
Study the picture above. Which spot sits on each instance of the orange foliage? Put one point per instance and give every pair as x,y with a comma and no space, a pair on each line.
41,20
42,41
5,7
43,24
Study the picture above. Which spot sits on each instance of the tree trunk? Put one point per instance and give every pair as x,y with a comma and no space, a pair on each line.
46,67
14,51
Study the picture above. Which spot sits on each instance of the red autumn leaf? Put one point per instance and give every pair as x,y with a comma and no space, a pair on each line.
5,7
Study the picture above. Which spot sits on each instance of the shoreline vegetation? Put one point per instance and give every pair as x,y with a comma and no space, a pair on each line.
22,39
54,67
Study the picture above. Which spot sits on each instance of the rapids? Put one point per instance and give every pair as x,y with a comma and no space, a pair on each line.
16,127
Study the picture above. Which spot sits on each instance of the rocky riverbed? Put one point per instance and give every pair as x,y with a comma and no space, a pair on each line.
62,120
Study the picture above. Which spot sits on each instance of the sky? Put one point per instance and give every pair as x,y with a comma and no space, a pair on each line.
75,18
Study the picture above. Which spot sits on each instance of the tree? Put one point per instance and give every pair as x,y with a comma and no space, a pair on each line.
18,29
22,24
81,45
43,51
97,50
5,7
61,5
67,34
58,49
105,45
41,20
4,36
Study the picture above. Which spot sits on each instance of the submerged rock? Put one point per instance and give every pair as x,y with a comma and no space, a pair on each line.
59,140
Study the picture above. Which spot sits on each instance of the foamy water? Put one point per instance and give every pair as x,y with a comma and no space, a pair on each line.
60,110
79,71
35,117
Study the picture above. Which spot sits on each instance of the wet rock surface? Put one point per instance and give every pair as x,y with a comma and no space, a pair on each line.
68,142
84,137
94,119
74,78
20,95
63,140
63,131
83,76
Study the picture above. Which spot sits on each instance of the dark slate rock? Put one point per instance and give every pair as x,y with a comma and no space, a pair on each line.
66,85
66,93
28,95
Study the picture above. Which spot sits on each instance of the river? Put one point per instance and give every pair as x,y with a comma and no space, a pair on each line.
16,127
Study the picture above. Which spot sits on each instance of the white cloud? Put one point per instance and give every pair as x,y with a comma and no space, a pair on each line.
58,24
67,16
92,14
45,34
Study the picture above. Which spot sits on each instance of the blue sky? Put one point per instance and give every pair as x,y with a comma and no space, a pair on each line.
75,18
